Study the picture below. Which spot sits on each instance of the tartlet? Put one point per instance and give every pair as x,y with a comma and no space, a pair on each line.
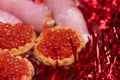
58,46
17,38
15,68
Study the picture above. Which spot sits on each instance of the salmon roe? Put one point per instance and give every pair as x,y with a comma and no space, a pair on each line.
57,43
15,36
12,68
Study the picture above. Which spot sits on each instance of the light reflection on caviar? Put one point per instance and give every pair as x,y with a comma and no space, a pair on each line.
58,42
14,36
12,68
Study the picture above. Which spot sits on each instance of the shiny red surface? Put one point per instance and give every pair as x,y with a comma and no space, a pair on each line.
12,68
57,44
14,36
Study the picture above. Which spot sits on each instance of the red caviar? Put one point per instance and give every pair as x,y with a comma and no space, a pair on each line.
12,68
15,36
57,43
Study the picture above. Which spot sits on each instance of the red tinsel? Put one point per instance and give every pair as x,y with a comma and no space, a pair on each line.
100,59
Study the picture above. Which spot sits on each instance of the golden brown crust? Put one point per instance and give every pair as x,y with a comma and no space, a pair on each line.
53,62
21,49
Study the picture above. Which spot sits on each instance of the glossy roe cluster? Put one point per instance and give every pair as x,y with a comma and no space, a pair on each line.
57,43
13,36
12,68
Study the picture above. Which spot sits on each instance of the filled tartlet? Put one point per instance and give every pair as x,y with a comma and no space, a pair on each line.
15,68
58,46
17,38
